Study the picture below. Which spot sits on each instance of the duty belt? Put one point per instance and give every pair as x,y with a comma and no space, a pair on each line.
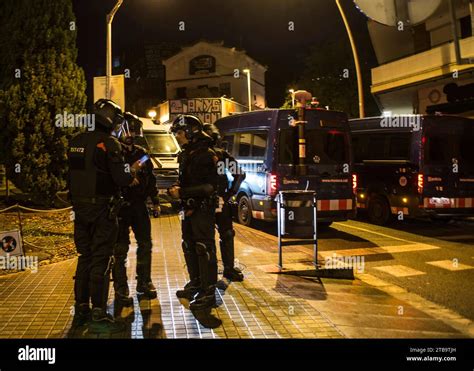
199,203
92,200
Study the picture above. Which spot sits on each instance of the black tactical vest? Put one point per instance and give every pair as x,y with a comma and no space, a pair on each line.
89,173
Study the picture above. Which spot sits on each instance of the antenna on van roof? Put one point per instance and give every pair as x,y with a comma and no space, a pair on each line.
302,97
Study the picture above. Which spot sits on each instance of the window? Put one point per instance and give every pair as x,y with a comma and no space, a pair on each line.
421,38
228,143
376,147
399,148
245,141
259,145
322,146
466,27
441,147
252,145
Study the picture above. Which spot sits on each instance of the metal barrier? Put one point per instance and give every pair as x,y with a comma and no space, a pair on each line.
297,217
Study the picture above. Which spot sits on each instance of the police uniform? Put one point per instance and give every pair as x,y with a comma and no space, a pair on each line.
224,215
198,183
97,171
134,214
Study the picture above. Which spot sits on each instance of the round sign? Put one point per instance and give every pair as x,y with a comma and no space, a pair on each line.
403,181
8,243
388,12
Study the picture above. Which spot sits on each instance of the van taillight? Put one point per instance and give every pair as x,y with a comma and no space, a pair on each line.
421,183
354,183
272,184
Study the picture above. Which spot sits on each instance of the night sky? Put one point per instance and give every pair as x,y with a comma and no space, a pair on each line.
258,26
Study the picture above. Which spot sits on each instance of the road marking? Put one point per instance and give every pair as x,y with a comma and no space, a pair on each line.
378,233
399,270
448,316
450,266
379,250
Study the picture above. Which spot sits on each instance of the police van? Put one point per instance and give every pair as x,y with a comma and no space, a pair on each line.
414,166
266,146
163,149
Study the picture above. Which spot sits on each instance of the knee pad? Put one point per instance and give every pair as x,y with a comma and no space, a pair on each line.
201,248
186,246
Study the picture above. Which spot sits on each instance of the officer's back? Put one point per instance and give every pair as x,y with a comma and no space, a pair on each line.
96,173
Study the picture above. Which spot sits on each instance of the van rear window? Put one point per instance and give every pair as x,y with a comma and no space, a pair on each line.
381,146
442,148
322,146
252,145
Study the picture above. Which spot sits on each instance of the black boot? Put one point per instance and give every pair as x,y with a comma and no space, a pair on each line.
227,252
147,289
82,315
204,300
122,296
233,274
189,291
104,323
192,265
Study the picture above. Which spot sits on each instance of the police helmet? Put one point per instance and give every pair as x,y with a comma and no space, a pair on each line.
108,114
213,132
191,125
132,124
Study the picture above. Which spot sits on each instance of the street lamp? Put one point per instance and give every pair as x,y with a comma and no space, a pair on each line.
108,65
247,71
152,114
360,85
292,91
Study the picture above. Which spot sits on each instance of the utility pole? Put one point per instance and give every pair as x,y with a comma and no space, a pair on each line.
108,65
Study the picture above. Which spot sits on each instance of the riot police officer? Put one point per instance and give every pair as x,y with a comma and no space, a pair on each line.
96,173
224,213
197,191
134,214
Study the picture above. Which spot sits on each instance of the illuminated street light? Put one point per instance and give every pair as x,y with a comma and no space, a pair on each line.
247,71
108,65
152,114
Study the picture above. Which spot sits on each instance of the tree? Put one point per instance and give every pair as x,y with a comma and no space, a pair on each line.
47,82
329,74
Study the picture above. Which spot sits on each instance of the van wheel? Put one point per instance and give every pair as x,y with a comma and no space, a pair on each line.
379,211
244,211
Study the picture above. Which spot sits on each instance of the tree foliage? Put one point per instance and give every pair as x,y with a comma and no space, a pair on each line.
329,74
40,80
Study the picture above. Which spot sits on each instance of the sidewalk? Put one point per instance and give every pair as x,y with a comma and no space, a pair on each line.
265,305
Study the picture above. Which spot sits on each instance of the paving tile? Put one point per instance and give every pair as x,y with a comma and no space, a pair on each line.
265,305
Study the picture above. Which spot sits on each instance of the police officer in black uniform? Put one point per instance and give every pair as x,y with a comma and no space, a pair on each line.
96,173
134,214
197,189
224,212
